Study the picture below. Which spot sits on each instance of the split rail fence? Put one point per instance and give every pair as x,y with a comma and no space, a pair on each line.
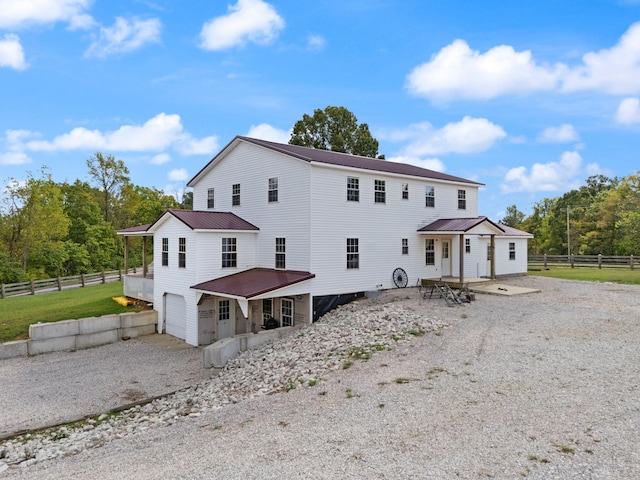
584,261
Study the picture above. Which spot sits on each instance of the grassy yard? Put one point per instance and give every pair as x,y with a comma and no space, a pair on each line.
614,275
17,313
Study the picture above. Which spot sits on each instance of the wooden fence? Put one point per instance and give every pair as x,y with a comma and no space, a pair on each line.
59,283
584,261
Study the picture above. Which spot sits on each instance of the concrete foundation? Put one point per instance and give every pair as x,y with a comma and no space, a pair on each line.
19,348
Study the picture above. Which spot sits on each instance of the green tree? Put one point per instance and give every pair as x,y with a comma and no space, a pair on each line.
109,174
335,129
513,217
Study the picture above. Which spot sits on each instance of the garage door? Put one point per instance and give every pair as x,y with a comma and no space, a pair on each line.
175,315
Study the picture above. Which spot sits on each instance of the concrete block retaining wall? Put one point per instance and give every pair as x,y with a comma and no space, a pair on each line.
82,333
219,353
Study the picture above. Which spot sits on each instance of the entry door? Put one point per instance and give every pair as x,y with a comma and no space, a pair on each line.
446,260
286,312
226,315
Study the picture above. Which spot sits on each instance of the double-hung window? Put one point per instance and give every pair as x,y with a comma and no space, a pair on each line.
353,253
405,246
462,199
379,194
229,254
235,194
281,253
405,191
273,189
165,252
182,252
512,250
211,198
430,196
467,245
430,251
353,189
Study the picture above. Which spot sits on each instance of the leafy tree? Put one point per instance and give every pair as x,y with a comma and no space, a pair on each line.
335,129
109,174
513,217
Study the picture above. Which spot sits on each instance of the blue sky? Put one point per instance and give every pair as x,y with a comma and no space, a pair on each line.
529,98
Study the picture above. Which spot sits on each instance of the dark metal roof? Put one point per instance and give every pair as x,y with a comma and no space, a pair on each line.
208,220
138,229
457,225
253,282
344,160
514,232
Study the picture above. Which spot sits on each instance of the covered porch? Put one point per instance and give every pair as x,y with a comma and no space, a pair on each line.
138,284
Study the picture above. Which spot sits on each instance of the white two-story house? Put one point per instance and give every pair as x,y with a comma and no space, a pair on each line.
287,232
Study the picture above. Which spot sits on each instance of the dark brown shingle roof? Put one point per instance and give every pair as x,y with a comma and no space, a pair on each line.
253,282
343,160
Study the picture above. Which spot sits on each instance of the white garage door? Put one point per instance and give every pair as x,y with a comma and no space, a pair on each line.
175,315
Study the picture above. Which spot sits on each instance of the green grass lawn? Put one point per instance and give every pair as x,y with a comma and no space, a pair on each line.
615,275
17,313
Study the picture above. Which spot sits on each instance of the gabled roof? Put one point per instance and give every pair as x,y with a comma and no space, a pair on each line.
196,220
339,159
514,232
253,282
458,225
208,220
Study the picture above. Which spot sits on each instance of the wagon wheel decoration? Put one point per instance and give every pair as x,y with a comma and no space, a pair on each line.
400,278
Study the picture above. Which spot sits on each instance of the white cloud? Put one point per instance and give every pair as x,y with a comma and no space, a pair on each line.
264,131
247,21
458,71
628,111
11,53
14,158
562,134
316,42
614,71
466,136
178,175
16,14
156,135
125,36
160,159
552,176
428,163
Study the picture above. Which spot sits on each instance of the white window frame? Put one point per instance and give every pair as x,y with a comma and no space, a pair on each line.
281,252
273,190
235,195
429,251
229,252
430,196
379,191
353,189
405,246
512,250
287,312
405,191
165,252
353,253
211,202
467,245
462,199
182,252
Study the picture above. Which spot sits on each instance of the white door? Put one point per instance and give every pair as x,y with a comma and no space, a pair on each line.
226,316
175,315
446,260
286,312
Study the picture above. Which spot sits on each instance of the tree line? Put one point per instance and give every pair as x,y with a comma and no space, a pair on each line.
50,229
603,217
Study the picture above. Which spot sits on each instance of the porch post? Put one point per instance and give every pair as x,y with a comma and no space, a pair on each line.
126,255
461,258
144,257
493,257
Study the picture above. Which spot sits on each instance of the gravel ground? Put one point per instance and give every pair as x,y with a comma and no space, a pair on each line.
544,385
59,387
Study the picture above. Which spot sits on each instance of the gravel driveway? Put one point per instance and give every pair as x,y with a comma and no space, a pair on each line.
541,386
59,387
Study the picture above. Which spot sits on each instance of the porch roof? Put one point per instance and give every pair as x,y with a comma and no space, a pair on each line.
253,282
137,230
459,225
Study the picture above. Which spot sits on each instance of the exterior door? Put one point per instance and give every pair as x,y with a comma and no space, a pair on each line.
286,312
446,258
226,316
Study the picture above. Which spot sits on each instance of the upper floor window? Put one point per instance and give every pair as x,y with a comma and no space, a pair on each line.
512,250
353,189
280,253
235,194
467,245
273,189
429,251
405,191
462,199
229,254
430,196
405,246
210,198
165,252
353,253
182,252
379,191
